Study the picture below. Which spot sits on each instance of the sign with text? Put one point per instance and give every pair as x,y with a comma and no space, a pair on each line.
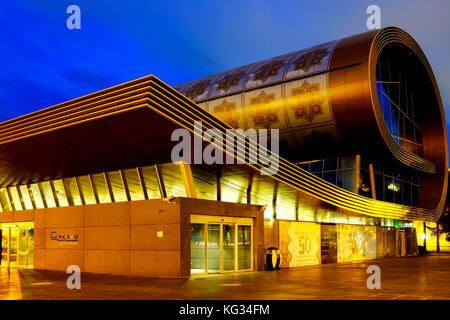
299,243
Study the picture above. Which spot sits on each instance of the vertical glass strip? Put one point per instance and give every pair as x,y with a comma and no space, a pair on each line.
26,197
6,204
37,196
86,189
100,185
48,194
117,187
60,193
72,192
151,183
134,186
15,199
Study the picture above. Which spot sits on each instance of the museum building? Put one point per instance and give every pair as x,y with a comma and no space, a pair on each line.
363,162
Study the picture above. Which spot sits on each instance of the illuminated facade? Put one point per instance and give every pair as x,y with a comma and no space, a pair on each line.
90,181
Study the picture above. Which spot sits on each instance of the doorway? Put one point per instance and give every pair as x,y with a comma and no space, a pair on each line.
221,244
17,244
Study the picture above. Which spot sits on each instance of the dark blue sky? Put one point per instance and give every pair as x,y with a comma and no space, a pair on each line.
44,63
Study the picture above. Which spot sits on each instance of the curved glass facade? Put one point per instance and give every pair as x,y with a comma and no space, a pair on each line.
399,93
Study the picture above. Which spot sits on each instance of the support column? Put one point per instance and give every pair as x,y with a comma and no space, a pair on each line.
372,182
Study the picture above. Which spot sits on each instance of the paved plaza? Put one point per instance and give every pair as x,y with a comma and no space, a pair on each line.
424,277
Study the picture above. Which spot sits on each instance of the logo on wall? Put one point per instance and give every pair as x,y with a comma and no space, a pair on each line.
310,101
64,238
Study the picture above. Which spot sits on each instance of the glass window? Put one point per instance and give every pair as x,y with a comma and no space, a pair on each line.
389,188
86,189
117,186
151,183
26,197
173,180
346,180
134,184
304,166
347,162
197,248
6,204
244,248
100,185
37,198
330,176
330,165
406,194
15,198
72,192
316,166
60,193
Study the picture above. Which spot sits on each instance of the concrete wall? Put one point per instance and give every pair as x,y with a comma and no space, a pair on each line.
145,238
115,238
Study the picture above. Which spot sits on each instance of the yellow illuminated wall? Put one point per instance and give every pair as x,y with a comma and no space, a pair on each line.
299,243
356,242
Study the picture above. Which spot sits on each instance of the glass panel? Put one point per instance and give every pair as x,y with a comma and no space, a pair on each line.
86,190
205,184
30,240
15,198
234,190
406,194
316,166
330,176
244,248
151,183
26,197
304,166
37,196
101,187
134,185
346,180
118,190
197,248
6,205
347,162
173,181
213,247
229,247
13,248
47,191
330,165
389,188
72,191
60,193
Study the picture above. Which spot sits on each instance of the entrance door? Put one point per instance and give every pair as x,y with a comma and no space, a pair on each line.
328,243
221,244
17,245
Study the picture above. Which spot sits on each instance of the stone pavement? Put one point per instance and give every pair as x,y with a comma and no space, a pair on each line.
424,277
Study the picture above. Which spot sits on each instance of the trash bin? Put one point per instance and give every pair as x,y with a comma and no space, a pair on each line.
273,258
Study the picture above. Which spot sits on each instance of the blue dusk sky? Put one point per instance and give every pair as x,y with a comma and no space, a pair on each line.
44,63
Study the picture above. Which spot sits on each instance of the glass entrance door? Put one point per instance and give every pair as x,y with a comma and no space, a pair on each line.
218,247
17,245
